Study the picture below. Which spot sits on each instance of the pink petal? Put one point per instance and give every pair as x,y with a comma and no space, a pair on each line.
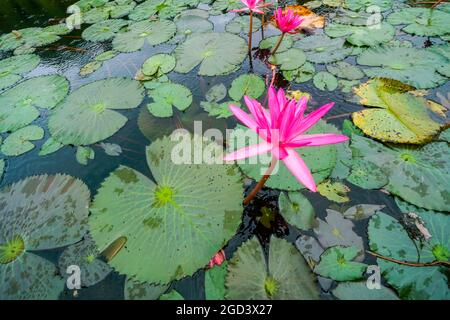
313,118
274,106
239,10
315,140
245,118
259,113
279,152
249,151
298,168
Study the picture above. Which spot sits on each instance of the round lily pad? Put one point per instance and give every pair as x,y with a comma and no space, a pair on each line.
88,115
336,263
297,210
302,74
368,5
26,39
215,282
367,175
143,291
250,85
241,24
270,43
370,36
345,70
104,30
157,8
174,227
216,93
323,49
218,110
19,143
189,24
158,64
50,146
360,291
19,103
90,68
169,95
287,275
421,21
139,33
325,81
290,59
216,53
12,69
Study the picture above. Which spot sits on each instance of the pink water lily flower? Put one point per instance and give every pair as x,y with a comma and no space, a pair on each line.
253,6
282,129
287,21
217,260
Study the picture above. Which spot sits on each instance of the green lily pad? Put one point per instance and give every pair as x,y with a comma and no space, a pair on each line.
345,70
417,175
18,104
362,211
12,69
140,33
200,204
241,24
26,39
336,263
347,86
195,12
362,35
215,282
19,143
50,146
107,55
357,5
167,96
302,74
404,64
388,238
334,191
270,43
421,21
325,81
216,93
171,295
220,6
216,53
297,210
111,149
290,59
320,160
323,49
158,64
90,68
287,275
247,85
84,154
163,9
84,255
189,24
104,30
143,291
218,110
88,115
348,128
367,175
359,18
360,291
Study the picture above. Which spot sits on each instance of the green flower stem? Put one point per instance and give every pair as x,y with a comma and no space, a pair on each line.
411,264
280,40
261,182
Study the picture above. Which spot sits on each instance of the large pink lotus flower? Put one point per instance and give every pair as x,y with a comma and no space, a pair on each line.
287,21
282,128
256,6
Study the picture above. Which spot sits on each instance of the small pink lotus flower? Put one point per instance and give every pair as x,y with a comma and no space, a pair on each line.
287,21
217,260
255,6
282,128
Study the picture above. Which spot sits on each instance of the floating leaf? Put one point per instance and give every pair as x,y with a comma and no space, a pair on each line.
107,55
249,85
287,276
241,24
334,191
368,5
104,30
359,18
367,175
167,96
325,81
84,255
288,60
362,35
270,43
362,211
200,204
18,105
88,114
360,291
171,295
323,49
297,210
187,25
302,74
218,110
50,146
158,64
421,21
345,70
12,69
216,53
216,93
111,149
19,143
90,67
215,282
143,291
388,238
164,9
404,64
336,263
84,154
414,173
139,33
26,39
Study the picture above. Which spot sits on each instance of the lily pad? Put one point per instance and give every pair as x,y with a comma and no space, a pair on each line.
218,110
404,64
104,30
216,93
143,291
84,154
360,291
199,203
362,211
336,263
88,115
111,149
18,105
289,60
250,85
12,69
270,43
140,33
325,81
107,55
287,275
90,68
163,9
215,282
334,191
167,96
19,143
367,175
345,70
421,21
323,49
84,255
241,24
388,238
50,146
362,35
302,74
365,5
414,173
189,24
26,39
216,53
158,64
297,210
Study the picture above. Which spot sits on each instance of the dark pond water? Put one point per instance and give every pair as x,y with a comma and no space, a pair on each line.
16,14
